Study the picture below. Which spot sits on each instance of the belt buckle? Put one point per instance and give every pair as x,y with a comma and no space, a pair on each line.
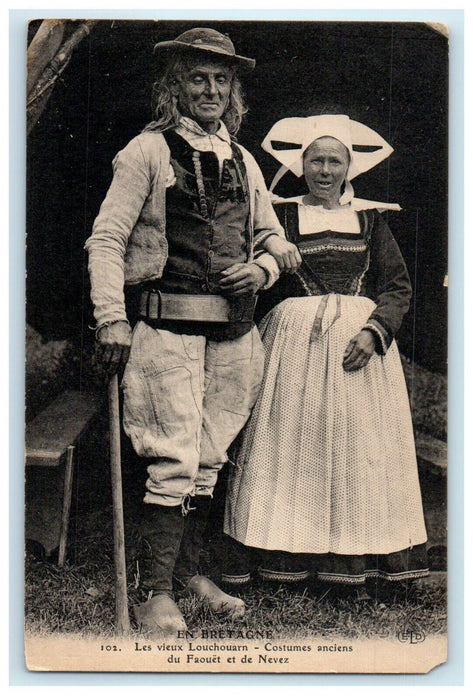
155,293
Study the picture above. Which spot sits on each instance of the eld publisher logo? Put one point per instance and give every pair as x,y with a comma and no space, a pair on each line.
411,637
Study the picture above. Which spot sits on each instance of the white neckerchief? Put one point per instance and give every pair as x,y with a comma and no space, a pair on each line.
356,204
313,218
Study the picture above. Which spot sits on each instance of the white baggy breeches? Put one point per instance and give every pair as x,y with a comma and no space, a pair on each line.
186,398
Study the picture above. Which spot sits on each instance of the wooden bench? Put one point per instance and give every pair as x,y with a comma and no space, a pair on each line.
51,439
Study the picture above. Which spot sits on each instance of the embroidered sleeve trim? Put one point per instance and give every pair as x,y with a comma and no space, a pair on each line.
380,334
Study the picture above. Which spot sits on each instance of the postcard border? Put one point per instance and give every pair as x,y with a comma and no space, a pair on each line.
450,673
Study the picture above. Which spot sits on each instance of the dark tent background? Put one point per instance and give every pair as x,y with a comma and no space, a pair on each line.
390,76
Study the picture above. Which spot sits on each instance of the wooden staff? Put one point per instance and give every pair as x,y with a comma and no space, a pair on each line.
122,618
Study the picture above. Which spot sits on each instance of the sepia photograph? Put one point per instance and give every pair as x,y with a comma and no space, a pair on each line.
236,346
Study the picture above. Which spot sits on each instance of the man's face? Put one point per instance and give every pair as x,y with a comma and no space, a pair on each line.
203,93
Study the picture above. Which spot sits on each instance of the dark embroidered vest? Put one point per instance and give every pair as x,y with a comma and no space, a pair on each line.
206,229
331,261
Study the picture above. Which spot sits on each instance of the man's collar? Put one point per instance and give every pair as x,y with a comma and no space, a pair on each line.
190,125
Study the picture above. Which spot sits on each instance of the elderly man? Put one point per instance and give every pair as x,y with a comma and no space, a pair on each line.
188,219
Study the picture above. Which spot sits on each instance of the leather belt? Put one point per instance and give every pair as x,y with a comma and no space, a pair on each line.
156,305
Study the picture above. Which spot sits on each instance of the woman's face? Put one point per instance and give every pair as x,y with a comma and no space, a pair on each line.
326,162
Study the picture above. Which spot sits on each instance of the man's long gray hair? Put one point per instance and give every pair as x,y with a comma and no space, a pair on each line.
165,107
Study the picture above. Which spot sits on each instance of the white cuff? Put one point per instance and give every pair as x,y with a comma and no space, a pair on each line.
270,266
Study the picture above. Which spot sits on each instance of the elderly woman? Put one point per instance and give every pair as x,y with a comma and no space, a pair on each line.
326,465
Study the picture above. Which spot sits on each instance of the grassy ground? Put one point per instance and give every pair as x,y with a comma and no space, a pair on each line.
79,598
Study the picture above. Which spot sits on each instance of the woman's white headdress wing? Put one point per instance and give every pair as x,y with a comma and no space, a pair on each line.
288,139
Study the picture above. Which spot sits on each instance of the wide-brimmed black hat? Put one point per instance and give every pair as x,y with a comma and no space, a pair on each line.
208,40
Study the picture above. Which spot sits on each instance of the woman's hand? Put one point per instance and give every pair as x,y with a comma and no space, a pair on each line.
113,346
358,351
242,278
285,253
